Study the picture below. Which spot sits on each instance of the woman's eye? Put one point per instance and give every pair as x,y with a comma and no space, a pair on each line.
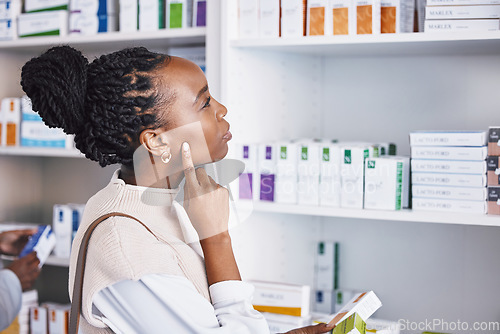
207,104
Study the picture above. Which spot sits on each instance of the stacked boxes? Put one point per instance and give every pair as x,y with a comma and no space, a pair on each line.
42,18
448,171
493,170
49,318
281,298
9,11
326,276
10,118
397,16
89,17
462,15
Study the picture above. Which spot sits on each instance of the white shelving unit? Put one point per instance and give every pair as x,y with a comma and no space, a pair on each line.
41,152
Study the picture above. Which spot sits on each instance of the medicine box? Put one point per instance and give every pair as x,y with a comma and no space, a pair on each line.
368,16
443,192
448,205
364,304
286,173
494,200
128,16
91,24
58,316
95,7
456,180
448,166
199,13
266,166
9,9
11,119
293,18
493,170
342,14
43,241
397,16
330,182
288,299
462,12
179,13
269,18
324,301
354,324
63,229
448,138
43,24
44,5
38,320
248,19
461,25
387,183
352,169
461,2
151,15
494,140
327,264
248,180
318,18
8,29
308,173
449,153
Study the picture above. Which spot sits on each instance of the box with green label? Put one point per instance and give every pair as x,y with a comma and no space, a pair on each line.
53,23
286,173
31,6
352,325
329,182
179,13
308,172
352,173
151,15
387,182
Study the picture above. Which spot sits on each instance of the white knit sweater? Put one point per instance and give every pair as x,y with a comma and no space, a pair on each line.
120,248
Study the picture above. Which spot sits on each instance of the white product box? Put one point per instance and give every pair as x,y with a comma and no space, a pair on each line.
448,138
308,173
196,54
94,7
151,15
37,134
461,25
286,173
9,9
269,18
397,16
326,269
368,17
455,180
179,13
128,17
90,24
249,180
63,229
461,193
43,23
318,18
461,2
324,301
199,13
248,18
43,241
352,168
266,167
10,119
38,320
445,166
8,30
387,183
462,12
288,299
280,323
45,5
449,153
449,205
342,14
330,183
364,304
77,214
58,315
293,18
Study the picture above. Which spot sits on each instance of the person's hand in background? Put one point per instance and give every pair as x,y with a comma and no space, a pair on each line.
26,269
315,329
13,242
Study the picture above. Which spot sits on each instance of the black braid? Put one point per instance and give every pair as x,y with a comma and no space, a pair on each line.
106,103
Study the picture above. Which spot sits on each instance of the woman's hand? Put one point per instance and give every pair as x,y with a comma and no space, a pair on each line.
13,242
316,329
26,269
205,201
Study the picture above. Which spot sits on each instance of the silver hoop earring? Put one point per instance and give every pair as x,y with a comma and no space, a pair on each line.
165,157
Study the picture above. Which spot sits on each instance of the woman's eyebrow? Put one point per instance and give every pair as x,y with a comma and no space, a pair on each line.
200,93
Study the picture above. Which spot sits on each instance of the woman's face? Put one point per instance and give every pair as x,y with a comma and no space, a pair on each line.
193,116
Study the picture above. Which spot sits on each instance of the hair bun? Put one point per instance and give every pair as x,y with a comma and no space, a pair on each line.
56,83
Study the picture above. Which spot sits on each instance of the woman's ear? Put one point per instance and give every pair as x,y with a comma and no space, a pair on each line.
154,142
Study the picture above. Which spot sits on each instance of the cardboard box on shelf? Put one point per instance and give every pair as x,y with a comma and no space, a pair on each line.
462,12
448,205
45,5
54,23
368,17
286,173
327,264
461,2
455,180
38,320
58,317
293,18
10,117
343,17
128,16
494,140
318,18
308,169
494,200
151,15
330,181
448,166
248,18
352,175
199,13
266,166
281,298
248,188
443,192
397,16
179,13
449,153
269,25
493,170
448,138
437,26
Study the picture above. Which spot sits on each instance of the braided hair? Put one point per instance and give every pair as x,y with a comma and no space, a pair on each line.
105,104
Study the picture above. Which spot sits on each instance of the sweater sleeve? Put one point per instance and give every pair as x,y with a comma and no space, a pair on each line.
10,297
147,305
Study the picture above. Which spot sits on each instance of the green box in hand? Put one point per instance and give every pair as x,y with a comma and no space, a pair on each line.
352,325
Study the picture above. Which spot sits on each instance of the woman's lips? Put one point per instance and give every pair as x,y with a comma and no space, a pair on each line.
228,135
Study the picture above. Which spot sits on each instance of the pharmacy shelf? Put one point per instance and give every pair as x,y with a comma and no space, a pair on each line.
410,44
403,215
41,152
111,41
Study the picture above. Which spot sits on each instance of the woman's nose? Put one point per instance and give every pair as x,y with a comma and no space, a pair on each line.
221,112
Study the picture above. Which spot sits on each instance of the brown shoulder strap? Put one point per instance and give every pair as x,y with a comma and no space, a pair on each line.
76,302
